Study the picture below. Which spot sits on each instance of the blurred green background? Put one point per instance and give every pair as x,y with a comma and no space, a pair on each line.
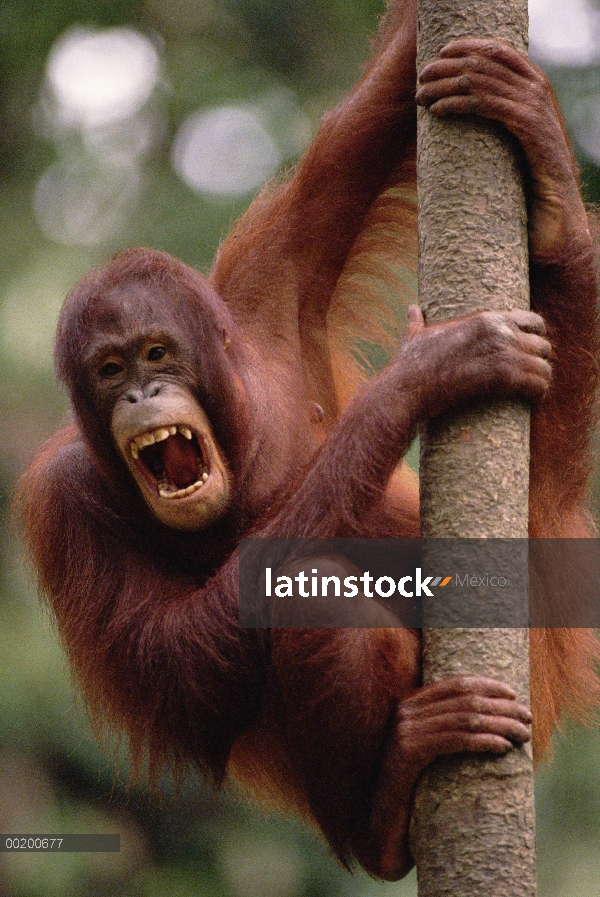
153,123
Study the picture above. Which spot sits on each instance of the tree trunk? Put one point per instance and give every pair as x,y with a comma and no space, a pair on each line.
472,831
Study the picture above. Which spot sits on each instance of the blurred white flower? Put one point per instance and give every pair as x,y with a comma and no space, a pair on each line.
94,108
83,202
226,151
564,32
102,76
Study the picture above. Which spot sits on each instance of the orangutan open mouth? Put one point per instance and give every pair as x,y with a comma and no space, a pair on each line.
172,459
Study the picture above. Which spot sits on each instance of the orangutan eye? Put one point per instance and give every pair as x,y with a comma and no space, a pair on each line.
155,353
110,369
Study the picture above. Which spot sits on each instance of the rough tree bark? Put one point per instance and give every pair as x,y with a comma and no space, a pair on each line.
472,831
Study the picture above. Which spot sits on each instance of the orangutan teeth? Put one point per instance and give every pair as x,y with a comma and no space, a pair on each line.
153,460
181,493
150,438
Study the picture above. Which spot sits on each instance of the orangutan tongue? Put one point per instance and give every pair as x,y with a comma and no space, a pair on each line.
180,460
